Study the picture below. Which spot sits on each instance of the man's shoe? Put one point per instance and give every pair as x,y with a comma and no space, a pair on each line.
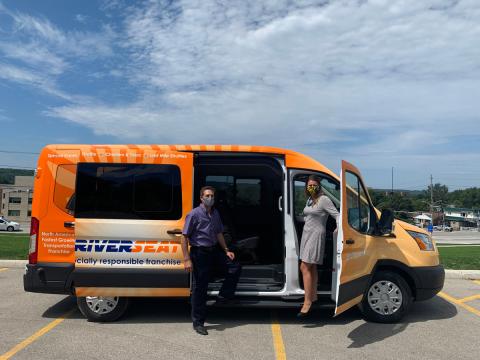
200,329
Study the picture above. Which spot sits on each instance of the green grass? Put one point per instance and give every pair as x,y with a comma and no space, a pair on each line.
14,246
460,257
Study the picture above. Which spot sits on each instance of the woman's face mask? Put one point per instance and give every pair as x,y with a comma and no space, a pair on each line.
313,189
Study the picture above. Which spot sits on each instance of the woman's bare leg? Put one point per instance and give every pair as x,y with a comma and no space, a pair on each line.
314,282
307,285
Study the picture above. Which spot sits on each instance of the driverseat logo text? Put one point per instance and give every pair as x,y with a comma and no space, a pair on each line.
125,246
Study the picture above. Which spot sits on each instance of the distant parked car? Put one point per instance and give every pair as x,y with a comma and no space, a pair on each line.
443,228
9,225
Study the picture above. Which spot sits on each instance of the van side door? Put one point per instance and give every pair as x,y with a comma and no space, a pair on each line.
129,214
358,220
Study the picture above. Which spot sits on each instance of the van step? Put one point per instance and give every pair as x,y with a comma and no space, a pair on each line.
270,303
242,287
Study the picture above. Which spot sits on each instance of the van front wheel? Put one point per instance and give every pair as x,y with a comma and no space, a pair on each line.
387,299
102,308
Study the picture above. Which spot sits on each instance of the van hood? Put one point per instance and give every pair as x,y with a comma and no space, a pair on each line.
407,226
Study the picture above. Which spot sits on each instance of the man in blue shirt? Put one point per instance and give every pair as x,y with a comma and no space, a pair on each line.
203,230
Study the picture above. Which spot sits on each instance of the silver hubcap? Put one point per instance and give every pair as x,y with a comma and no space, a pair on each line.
101,304
384,297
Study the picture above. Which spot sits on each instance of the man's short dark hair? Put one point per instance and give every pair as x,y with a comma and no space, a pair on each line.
205,188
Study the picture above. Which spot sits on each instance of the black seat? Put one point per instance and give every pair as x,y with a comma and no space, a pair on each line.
245,247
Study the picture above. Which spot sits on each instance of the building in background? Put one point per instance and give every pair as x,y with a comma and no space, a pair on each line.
462,217
16,199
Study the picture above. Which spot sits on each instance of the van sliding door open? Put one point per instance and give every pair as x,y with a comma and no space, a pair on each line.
357,219
129,214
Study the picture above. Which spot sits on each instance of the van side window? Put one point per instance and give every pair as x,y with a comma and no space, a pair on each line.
359,211
225,186
236,191
128,191
248,192
64,191
329,188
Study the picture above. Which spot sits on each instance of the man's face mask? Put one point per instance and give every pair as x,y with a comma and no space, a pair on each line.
313,189
208,201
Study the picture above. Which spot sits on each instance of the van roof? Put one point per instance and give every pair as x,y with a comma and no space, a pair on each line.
293,159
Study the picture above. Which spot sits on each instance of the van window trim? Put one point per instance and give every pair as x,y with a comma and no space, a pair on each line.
297,171
369,201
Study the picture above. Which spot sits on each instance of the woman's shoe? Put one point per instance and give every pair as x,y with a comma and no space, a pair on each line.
302,314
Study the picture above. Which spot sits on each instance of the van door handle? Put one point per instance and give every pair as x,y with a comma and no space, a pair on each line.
174,232
350,241
69,224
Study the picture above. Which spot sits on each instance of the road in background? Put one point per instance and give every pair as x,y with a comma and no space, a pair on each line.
457,237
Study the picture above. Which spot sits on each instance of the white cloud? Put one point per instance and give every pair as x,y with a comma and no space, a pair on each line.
68,43
276,73
81,18
34,55
31,78
37,53
316,76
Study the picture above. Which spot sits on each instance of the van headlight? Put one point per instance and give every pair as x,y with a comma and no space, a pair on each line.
423,241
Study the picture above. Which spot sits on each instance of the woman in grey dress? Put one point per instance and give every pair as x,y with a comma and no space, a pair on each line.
312,248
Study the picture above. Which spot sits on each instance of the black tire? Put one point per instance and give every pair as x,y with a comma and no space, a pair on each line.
402,286
112,315
10,228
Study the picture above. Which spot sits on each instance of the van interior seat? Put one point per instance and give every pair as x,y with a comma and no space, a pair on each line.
245,246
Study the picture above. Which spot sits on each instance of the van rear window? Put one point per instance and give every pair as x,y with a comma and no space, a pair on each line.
128,191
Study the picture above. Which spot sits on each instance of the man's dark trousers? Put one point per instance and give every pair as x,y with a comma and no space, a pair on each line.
205,260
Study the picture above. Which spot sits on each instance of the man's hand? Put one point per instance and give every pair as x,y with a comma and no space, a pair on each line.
187,264
230,255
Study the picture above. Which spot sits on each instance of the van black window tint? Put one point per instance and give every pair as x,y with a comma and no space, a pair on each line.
300,197
224,186
128,191
248,192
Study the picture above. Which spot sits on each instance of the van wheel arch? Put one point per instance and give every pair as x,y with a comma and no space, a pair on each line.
399,268
109,308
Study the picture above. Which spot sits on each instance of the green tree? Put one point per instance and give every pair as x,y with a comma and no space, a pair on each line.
440,193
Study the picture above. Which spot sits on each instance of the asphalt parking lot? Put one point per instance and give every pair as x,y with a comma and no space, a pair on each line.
45,326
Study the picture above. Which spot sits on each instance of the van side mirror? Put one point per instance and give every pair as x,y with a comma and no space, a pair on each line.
385,224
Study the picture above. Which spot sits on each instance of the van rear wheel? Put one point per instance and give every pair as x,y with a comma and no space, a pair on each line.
388,298
102,308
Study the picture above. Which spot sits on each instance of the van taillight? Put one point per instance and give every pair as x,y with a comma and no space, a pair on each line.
32,251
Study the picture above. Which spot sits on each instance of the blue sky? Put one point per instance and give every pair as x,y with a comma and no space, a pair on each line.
379,83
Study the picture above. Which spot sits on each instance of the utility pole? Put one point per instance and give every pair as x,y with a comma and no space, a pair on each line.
431,197
392,180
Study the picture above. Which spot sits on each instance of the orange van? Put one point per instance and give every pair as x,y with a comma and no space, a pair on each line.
107,220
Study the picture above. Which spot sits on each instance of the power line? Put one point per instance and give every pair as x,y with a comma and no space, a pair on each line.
18,152
16,167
